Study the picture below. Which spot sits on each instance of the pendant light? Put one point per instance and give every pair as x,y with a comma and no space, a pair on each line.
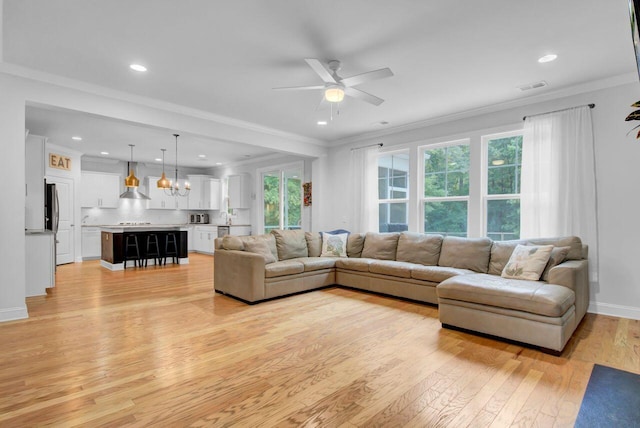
174,187
131,183
164,182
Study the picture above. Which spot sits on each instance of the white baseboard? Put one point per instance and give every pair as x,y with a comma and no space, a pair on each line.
11,314
614,310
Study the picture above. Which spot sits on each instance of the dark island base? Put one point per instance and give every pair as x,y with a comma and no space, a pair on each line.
113,248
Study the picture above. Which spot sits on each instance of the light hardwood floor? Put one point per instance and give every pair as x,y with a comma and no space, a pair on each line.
157,347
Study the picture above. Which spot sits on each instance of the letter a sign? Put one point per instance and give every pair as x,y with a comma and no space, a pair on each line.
59,162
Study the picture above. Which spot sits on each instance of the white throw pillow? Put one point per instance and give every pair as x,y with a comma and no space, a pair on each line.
334,245
527,262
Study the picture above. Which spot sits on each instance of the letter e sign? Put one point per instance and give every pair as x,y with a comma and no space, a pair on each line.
59,162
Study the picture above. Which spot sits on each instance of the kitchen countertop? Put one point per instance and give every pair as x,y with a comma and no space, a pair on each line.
120,228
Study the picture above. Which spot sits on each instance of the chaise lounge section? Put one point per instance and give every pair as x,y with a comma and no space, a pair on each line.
464,276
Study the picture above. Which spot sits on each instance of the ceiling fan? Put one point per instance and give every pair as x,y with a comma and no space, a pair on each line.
336,87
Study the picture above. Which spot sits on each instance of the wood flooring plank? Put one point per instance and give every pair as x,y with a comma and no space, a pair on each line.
157,346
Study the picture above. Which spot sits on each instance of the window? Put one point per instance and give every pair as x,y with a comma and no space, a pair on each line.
282,199
393,192
445,197
502,190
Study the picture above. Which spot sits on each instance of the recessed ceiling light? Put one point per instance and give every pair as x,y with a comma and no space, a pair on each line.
322,122
547,58
138,67
158,159
104,153
202,156
76,138
218,163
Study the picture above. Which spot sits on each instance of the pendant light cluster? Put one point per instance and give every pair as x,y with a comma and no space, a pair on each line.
173,188
131,183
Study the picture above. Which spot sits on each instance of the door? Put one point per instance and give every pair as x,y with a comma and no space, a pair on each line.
65,251
282,199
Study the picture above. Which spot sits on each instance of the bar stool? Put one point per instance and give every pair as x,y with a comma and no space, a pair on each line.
171,248
132,250
153,250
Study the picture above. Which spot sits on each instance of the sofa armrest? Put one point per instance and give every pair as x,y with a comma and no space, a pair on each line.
240,274
573,274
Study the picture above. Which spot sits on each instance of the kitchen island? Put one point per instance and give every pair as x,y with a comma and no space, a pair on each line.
113,243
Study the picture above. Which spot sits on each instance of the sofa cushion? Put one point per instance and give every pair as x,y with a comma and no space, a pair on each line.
334,245
282,268
419,248
465,253
358,264
260,246
527,262
391,267
314,243
290,244
267,237
436,273
535,297
380,246
231,242
566,241
316,263
500,254
558,255
355,243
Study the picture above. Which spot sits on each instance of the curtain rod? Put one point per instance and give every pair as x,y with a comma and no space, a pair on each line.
556,111
364,147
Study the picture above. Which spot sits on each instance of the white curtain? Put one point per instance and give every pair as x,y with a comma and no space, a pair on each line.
364,185
558,195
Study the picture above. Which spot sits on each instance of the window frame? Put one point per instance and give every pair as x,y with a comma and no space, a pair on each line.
281,168
485,196
407,190
422,199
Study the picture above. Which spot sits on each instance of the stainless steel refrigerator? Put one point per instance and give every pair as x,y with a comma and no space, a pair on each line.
51,212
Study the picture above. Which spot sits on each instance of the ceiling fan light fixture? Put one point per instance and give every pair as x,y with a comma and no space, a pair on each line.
334,94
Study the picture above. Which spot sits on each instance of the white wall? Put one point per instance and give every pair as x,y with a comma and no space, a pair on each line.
618,175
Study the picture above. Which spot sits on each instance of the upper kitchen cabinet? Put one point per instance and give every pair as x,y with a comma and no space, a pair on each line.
205,193
99,189
160,200
34,182
239,192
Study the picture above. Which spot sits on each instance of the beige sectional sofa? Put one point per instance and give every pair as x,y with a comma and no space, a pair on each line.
461,275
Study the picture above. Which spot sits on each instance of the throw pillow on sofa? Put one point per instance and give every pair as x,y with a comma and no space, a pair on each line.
557,256
334,245
527,262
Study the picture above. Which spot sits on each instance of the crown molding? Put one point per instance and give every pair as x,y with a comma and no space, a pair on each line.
595,85
43,77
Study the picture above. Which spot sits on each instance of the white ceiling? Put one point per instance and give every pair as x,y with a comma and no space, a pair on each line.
225,57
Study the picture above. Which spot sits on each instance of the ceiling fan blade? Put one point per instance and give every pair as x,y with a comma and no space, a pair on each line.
321,70
363,96
298,88
365,77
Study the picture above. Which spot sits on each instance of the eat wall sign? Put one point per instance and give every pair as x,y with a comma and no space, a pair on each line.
59,161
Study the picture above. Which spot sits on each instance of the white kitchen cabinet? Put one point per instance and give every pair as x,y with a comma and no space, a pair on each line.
34,182
100,190
191,230
40,272
160,200
205,193
91,243
238,191
204,237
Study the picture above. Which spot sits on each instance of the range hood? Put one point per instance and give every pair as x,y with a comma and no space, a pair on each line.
131,183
